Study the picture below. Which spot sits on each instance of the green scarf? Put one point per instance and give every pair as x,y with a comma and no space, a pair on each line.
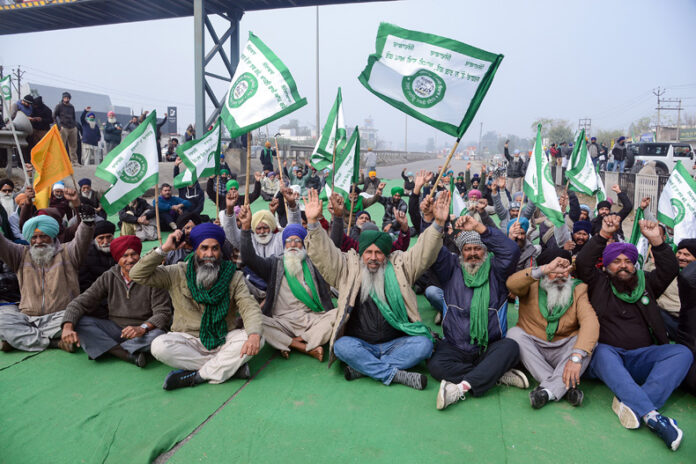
636,293
217,302
358,204
478,312
312,302
394,309
553,318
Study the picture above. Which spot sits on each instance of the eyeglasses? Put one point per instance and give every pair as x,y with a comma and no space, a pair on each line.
6,190
294,240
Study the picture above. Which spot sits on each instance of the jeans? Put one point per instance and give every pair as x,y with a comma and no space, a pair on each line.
619,165
642,378
436,298
381,361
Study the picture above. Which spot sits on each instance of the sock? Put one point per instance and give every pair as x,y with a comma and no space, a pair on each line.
651,415
552,397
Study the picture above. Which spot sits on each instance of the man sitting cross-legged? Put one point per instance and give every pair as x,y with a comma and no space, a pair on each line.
380,333
634,357
136,314
474,354
297,310
557,327
206,293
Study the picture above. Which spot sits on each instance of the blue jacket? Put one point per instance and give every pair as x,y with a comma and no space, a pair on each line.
165,204
90,136
455,325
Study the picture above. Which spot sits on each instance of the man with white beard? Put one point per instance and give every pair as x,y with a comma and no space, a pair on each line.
298,311
557,327
7,196
48,277
91,135
98,261
378,330
207,292
112,131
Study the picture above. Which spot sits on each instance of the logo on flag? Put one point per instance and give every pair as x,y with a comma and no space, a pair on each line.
424,88
242,90
134,170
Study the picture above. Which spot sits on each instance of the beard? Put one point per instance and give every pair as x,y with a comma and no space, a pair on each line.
558,292
92,124
263,239
111,120
371,281
622,283
104,249
293,258
207,270
42,255
470,266
7,202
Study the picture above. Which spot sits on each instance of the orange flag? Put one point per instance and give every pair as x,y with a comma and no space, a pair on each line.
51,162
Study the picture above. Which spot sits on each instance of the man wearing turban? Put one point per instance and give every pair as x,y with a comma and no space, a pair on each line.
297,311
604,209
207,293
475,354
378,331
393,205
634,357
557,328
48,274
98,259
136,315
517,232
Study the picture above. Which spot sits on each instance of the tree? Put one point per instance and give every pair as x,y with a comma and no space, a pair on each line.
640,126
546,125
606,136
560,131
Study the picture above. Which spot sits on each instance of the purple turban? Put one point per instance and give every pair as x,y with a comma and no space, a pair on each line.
294,229
205,231
613,250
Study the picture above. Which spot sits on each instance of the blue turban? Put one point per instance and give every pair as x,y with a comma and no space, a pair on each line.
524,222
84,182
294,229
44,223
583,225
205,231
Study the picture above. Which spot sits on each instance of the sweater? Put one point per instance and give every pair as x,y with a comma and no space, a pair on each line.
65,115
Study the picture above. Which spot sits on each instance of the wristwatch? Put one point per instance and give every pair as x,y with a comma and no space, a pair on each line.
145,326
576,358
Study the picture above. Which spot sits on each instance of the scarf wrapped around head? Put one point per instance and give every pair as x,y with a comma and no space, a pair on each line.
205,231
44,223
123,243
613,250
84,181
264,216
232,184
603,204
689,244
474,193
468,237
523,222
381,239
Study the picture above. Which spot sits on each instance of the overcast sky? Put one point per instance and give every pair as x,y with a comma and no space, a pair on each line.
563,59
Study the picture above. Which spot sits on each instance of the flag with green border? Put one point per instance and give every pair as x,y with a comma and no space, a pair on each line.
677,205
6,87
201,157
638,239
262,90
581,171
437,80
332,136
132,167
347,168
457,203
538,185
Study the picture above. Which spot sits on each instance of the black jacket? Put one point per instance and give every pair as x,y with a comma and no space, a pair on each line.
138,209
627,325
625,211
517,167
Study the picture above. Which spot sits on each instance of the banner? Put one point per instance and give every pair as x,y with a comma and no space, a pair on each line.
201,157
333,135
132,167
6,88
51,163
437,80
262,90
581,171
677,205
538,185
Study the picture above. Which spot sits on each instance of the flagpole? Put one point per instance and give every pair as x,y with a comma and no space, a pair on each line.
248,166
521,204
444,168
333,170
19,149
280,173
217,195
157,216
352,201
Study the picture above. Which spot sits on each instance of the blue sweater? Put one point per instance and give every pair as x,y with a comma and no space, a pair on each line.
165,204
455,326
90,136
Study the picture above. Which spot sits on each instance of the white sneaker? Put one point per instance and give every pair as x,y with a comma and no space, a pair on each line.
627,417
514,378
448,393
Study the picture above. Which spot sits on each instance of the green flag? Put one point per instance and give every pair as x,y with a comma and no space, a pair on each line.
457,203
132,167
538,185
581,171
6,87
677,205
201,157
347,167
262,90
638,239
333,135
437,80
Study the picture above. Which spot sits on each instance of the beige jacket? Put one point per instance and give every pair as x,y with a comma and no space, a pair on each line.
187,313
580,319
46,290
342,271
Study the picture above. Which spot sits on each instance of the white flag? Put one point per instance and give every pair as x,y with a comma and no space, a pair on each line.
333,136
132,167
201,157
262,90
581,171
458,204
6,87
347,167
538,185
677,205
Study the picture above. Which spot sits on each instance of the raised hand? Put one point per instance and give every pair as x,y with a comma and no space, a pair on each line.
569,245
244,216
468,223
426,206
501,181
441,208
273,205
337,205
231,200
645,202
70,194
313,206
468,165
289,195
257,176
173,241
401,219
557,266
381,186
610,224
481,205
563,201
419,181
651,231
616,188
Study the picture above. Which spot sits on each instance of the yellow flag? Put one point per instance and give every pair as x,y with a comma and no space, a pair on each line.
51,162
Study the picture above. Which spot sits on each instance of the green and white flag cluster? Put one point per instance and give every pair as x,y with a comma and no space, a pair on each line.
262,90
437,80
201,157
538,185
638,239
581,171
347,167
6,87
457,203
677,205
332,136
132,167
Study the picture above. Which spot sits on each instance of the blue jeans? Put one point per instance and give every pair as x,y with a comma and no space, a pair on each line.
642,378
619,165
381,361
436,298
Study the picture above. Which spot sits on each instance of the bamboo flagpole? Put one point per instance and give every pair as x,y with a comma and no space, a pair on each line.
444,168
217,195
352,202
280,173
248,167
157,215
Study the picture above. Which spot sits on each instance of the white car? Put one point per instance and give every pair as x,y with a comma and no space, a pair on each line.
665,159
